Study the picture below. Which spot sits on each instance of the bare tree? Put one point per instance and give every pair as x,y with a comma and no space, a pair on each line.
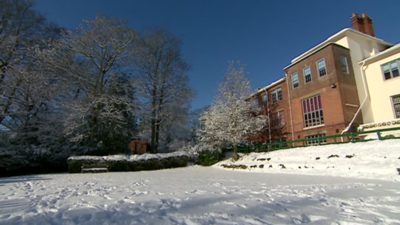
93,62
162,81
21,28
229,119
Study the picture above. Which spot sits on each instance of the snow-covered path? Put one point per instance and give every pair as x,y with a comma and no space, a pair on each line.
197,195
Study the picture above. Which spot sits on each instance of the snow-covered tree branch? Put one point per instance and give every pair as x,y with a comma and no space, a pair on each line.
94,62
229,119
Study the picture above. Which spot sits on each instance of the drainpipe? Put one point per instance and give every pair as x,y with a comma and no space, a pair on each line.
269,119
362,103
290,106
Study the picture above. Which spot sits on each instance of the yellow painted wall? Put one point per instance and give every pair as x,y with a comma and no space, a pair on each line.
381,90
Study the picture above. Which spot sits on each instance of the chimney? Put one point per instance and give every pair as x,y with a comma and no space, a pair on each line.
363,23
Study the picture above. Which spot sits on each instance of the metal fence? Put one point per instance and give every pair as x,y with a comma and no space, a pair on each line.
352,137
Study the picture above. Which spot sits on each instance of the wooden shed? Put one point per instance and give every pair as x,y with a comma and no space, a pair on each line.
138,146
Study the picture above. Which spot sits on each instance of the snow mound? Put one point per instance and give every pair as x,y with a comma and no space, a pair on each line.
371,160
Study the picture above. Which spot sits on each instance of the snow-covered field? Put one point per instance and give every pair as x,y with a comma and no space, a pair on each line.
369,194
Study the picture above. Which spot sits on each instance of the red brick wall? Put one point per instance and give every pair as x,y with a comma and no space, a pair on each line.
337,115
282,105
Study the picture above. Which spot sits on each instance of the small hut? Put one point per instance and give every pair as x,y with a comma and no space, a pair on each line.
138,146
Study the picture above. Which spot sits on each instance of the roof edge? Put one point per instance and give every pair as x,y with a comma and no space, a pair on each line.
268,86
380,54
337,35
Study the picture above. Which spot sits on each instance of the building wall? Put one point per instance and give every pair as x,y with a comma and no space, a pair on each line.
281,105
381,90
337,90
360,49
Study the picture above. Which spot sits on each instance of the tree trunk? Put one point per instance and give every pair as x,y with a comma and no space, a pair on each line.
153,136
235,154
157,133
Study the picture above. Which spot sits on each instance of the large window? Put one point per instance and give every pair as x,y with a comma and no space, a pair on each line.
278,119
276,95
313,139
396,105
321,67
343,62
391,70
295,80
312,111
307,74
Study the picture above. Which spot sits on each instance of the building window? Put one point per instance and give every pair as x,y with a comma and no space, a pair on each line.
265,100
307,74
312,139
343,62
278,119
321,67
295,80
391,70
396,105
276,95
312,111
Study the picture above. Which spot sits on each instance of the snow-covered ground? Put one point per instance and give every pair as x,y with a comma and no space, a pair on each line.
371,160
200,195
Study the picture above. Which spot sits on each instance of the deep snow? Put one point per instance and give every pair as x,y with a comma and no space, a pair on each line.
211,195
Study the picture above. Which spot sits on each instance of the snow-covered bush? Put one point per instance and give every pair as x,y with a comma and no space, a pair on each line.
207,155
133,162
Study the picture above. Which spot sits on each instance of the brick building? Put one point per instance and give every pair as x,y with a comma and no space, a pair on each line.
337,85
323,93
272,101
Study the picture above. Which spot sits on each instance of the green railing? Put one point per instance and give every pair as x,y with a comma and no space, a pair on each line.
332,139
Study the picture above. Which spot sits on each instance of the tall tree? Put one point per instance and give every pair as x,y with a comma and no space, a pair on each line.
29,122
21,28
229,119
162,81
94,61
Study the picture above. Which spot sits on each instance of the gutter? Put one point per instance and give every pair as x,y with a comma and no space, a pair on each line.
268,86
333,39
338,35
269,118
363,102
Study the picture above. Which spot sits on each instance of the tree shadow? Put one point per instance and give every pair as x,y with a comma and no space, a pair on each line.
24,178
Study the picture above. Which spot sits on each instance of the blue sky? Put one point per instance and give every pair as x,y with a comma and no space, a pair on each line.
263,34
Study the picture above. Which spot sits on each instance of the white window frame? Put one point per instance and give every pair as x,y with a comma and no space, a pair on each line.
305,75
276,95
395,104
344,63
323,70
390,64
312,111
297,84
